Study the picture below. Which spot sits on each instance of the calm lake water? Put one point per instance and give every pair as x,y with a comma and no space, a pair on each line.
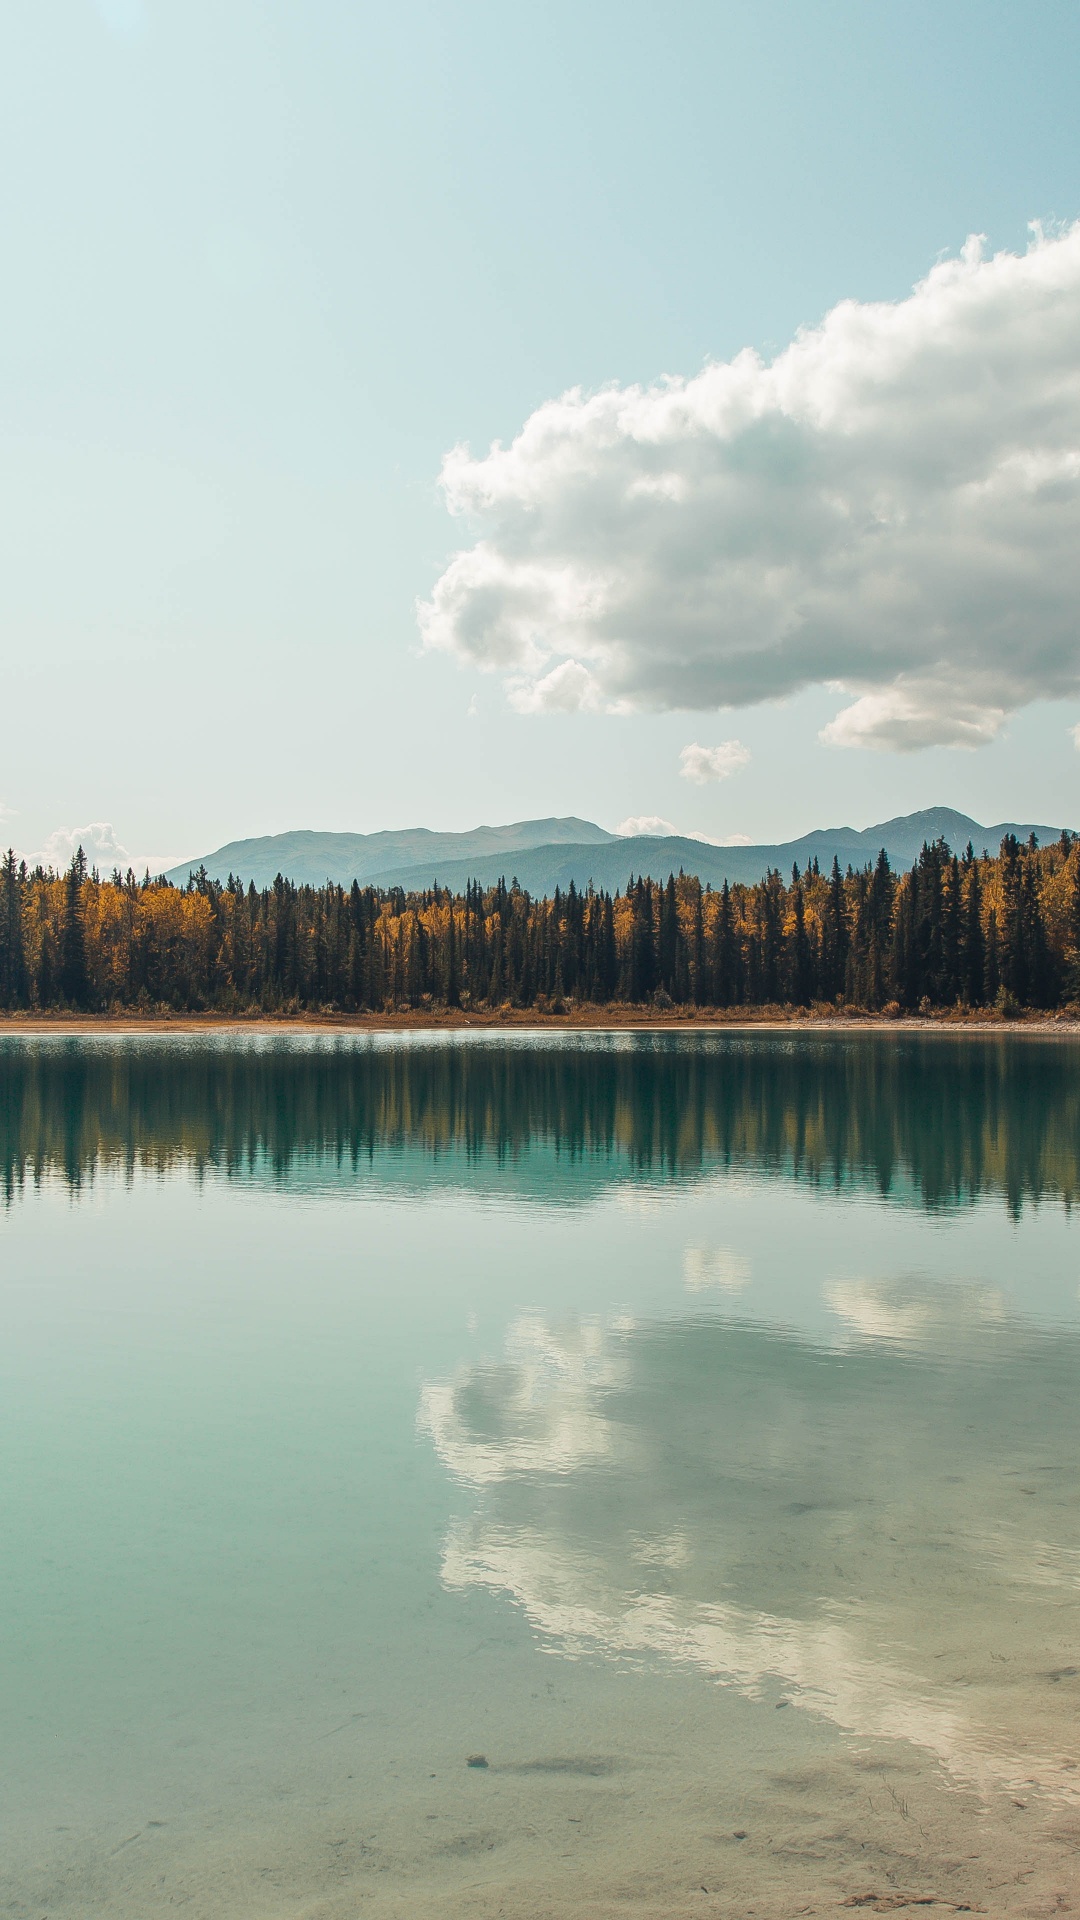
685,1424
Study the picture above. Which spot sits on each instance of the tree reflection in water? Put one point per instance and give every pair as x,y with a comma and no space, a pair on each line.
939,1118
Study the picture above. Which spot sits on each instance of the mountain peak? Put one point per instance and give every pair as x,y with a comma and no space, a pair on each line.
551,852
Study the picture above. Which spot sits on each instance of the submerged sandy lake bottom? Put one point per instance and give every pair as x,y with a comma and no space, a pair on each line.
688,1427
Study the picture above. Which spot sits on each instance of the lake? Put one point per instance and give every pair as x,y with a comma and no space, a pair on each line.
539,1475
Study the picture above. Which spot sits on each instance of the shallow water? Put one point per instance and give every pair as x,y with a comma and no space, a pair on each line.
687,1425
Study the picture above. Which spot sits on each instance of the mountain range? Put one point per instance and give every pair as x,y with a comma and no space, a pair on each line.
545,854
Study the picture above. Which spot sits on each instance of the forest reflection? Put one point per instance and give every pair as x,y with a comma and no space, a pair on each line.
938,1119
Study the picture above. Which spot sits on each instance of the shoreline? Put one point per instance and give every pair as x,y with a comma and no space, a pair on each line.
529,1020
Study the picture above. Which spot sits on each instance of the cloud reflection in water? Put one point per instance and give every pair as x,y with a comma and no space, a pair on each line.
885,1530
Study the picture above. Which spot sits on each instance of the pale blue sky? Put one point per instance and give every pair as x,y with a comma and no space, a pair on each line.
266,261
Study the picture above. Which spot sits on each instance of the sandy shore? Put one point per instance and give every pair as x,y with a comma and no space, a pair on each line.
579,1019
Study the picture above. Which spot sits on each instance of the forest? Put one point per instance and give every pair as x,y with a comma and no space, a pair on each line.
966,931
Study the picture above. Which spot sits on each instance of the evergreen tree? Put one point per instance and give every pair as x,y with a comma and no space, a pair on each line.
643,971
1012,945
74,981
835,941
453,972
14,980
667,943
1042,987
770,927
952,922
727,968
974,945
799,965
993,957
697,992
1072,951
903,954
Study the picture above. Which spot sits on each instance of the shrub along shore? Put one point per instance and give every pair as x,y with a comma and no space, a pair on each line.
972,935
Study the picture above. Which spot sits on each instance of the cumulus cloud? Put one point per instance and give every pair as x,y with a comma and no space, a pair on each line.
651,824
97,840
702,764
101,845
567,688
891,507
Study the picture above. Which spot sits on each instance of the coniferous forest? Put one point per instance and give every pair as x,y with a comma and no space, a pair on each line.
967,931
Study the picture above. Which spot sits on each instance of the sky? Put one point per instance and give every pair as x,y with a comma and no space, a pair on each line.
783,525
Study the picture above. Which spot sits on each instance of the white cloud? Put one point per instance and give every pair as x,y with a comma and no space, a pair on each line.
702,764
97,840
892,508
103,849
654,827
568,688
651,824
1075,731
923,713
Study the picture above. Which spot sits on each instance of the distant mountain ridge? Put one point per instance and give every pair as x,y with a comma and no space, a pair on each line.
549,853
312,858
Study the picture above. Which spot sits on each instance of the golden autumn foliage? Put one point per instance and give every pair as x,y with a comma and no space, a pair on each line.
955,930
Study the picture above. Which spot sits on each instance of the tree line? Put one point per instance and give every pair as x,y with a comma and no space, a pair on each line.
968,930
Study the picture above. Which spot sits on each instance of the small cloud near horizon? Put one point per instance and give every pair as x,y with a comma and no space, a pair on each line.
650,824
97,839
102,847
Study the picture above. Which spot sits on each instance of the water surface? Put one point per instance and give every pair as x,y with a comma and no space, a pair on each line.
685,1424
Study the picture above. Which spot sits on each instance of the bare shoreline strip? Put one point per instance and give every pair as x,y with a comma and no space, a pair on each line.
525,1020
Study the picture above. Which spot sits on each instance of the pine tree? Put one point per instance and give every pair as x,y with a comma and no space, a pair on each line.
697,948
668,937
974,945
952,921
993,957
727,971
1042,987
903,952
834,945
74,982
799,964
643,973
14,982
607,963
1012,946
770,921
879,904
1072,952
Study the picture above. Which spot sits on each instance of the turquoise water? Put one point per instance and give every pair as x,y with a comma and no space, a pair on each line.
686,1425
